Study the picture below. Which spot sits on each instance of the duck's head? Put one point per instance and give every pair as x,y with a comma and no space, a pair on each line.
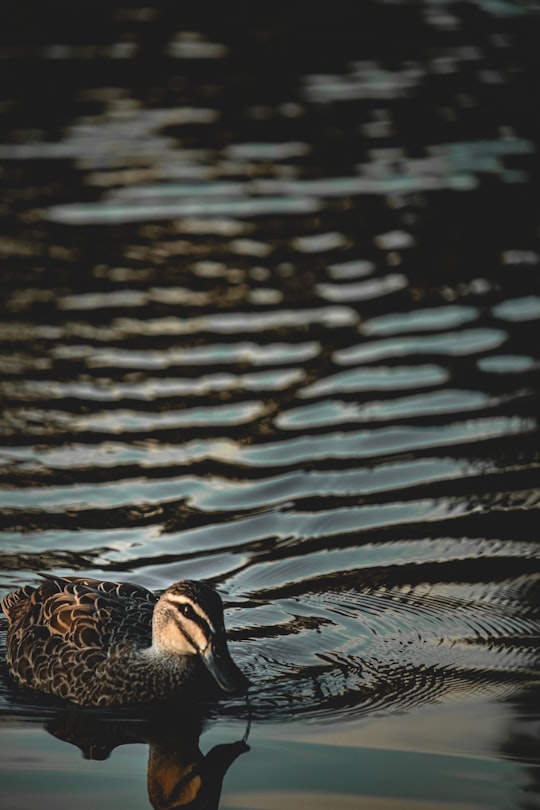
188,620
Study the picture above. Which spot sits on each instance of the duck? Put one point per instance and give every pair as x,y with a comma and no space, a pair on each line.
98,643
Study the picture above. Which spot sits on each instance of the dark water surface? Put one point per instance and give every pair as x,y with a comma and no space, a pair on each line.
270,306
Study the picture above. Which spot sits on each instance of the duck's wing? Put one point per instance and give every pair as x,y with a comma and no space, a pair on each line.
13,602
122,590
75,620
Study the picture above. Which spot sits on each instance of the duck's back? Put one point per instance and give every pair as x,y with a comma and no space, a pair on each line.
68,636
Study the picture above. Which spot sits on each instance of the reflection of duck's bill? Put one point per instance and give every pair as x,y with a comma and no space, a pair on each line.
219,663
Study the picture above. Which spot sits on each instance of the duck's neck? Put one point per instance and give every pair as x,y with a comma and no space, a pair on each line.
161,658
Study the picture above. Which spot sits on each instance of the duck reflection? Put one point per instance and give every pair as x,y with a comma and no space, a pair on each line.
179,774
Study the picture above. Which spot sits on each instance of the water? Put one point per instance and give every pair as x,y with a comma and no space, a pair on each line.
270,319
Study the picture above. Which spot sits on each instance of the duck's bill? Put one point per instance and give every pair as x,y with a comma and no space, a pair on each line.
219,663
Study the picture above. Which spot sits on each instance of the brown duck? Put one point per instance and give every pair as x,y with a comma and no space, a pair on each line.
100,643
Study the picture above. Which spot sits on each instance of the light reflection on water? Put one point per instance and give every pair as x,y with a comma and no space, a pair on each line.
395,764
282,336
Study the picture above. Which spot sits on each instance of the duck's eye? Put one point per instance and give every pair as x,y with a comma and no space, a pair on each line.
187,610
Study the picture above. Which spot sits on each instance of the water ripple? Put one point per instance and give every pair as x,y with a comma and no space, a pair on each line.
282,338
468,341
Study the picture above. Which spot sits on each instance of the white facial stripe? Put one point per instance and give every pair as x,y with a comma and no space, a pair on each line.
182,599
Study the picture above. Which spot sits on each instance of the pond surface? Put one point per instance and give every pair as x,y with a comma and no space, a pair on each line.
270,310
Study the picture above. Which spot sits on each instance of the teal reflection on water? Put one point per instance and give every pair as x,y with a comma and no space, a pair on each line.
468,341
38,770
519,309
380,378
420,320
506,363
118,421
218,494
114,213
293,766
211,354
365,443
331,412
326,776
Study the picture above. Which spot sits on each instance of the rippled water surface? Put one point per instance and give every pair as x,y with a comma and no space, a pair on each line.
270,308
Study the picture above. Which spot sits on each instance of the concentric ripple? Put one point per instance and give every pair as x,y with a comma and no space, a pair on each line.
367,648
